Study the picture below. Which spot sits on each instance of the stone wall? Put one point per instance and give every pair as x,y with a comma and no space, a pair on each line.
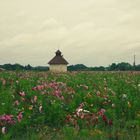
58,68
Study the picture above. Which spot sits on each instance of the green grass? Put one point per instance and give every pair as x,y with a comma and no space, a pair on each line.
69,106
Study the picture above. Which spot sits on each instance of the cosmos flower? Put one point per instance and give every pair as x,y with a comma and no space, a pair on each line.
113,105
62,97
98,93
82,116
16,103
129,104
102,111
110,122
104,118
8,119
86,111
3,130
124,96
22,94
35,98
20,116
40,108
30,107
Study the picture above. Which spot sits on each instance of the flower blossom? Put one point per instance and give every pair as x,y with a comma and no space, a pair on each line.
98,93
35,98
19,116
8,119
113,105
101,112
40,108
3,130
110,122
16,103
22,94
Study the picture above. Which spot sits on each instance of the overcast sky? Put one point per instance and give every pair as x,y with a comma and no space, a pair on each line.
92,32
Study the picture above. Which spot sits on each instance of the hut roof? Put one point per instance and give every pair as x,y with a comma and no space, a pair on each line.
58,59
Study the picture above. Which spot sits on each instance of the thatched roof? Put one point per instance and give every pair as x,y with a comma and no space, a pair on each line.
58,59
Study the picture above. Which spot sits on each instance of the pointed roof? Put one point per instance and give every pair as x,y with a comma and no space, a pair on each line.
58,59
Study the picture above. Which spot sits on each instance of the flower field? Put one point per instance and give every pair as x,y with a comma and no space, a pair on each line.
72,106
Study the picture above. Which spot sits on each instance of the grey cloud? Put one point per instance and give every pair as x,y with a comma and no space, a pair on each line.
90,32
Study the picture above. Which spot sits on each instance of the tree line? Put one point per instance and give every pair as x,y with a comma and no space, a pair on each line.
21,67
123,66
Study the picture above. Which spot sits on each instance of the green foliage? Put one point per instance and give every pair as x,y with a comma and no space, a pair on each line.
123,66
68,106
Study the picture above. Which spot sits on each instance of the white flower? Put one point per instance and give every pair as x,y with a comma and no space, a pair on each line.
113,105
86,111
3,130
138,85
78,111
40,108
124,96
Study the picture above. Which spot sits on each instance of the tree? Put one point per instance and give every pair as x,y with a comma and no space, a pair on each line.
137,67
78,67
101,68
113,66
28,67
124,66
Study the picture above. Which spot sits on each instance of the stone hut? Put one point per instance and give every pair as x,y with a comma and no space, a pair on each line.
58,63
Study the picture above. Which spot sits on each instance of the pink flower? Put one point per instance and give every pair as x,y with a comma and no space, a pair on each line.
35,98
98,93
23,99
20,116
22,94
62,97
110,122
8,119
101,112
104,103
85,87
16,102
79,111
82,116
81,105
40,87
54,85
34,88
104,118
